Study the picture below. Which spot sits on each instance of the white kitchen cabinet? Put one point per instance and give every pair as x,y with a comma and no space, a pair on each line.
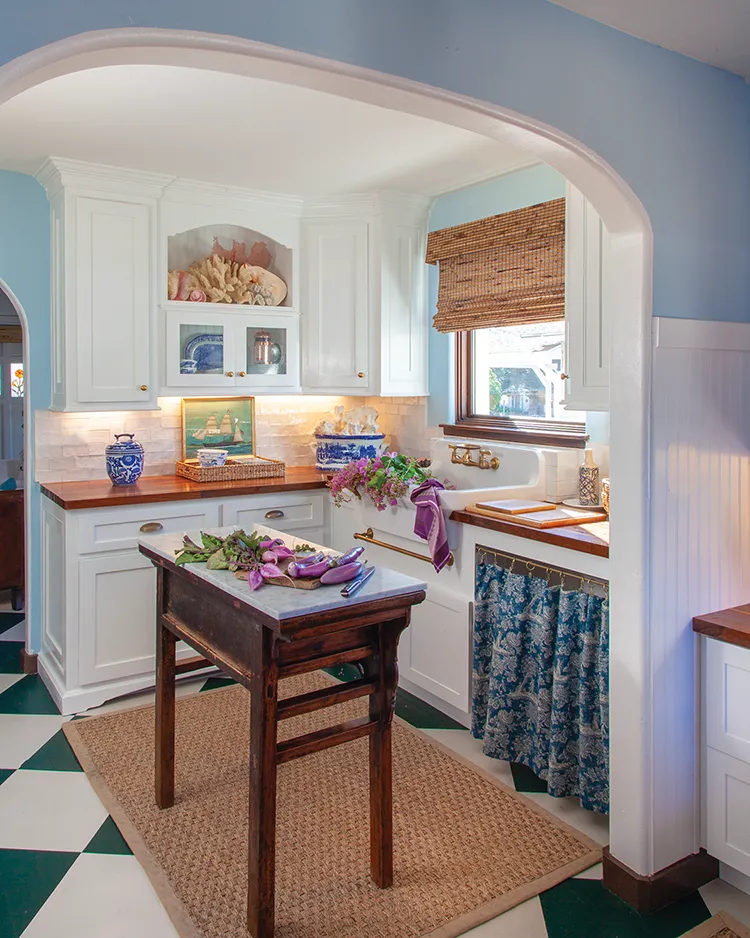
103,223
586,306
304,513
365,322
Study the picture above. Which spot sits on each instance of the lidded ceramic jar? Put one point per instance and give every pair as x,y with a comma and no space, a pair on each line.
124,459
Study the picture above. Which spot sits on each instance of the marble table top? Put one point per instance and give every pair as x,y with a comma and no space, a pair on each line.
280,602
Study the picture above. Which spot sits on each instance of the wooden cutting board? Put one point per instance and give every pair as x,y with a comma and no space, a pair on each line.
516,506
556,518
303,583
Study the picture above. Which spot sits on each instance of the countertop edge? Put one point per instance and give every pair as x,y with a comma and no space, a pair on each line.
556,536
731,626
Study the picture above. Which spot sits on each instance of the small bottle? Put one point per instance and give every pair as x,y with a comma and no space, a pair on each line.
588,480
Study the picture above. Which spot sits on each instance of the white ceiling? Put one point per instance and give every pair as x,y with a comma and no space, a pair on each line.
241,131
712,31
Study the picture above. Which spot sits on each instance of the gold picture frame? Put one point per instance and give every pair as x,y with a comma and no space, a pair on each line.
227,422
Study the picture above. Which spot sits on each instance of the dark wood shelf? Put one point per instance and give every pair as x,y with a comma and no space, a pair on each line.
729,625
586,538
100,493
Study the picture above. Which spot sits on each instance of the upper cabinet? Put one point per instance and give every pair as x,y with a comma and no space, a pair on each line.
364,313
104,230
586,305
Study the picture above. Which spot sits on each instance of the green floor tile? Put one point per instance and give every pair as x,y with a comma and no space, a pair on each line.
580,907
108,839
54,756
10,657
421,714
9,619
28,878
344,672
5,773
29,695
214,683
525,780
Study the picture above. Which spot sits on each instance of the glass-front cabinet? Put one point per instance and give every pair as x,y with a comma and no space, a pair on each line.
215,349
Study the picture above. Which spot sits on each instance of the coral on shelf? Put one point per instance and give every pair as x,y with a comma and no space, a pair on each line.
227,276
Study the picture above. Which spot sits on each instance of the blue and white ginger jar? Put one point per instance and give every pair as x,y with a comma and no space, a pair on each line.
335,452
124,459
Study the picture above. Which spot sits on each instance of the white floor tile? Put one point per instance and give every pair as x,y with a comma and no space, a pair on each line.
719,896
523,921
102,896
464,744
21,734
48,811
16,634
593,872
8,680
595,826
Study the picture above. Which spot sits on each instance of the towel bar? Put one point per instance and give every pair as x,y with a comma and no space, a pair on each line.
368,536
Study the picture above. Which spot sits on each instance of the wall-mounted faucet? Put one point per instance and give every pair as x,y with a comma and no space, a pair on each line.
464,458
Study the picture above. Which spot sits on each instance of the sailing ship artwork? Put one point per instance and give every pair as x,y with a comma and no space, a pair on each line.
226,423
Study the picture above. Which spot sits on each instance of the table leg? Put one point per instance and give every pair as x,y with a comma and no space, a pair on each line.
165,694
262,826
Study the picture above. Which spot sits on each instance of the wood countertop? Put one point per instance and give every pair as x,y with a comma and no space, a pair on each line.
729,625
586,538
100,493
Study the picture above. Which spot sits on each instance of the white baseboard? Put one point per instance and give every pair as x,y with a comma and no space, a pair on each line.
460,716
734,878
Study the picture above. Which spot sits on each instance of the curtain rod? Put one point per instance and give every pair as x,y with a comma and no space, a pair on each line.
590,584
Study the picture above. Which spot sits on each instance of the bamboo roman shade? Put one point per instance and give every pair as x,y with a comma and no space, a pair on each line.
503,270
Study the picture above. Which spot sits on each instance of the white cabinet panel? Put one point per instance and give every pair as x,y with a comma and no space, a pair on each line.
120,528
728,699
113,299
287,511
728,810
336,314
586,305
53,593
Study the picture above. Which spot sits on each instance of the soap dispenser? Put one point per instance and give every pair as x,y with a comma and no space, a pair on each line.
588,480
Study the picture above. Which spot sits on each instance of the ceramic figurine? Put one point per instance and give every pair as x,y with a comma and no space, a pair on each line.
124,459
588,480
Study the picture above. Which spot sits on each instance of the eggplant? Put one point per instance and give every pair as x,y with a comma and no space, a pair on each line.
312,570
342,573
305,559
350,556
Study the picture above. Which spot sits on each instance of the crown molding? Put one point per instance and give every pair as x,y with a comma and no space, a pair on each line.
58,172
192,190
366,203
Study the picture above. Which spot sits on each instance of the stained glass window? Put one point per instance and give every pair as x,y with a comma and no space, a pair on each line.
16,379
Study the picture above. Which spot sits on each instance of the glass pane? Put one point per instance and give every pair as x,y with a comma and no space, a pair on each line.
201,350
517,371
266,351
16,379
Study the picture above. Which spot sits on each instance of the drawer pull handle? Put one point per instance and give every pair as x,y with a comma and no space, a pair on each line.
274,513
151,527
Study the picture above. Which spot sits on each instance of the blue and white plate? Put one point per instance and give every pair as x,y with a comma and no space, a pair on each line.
206,351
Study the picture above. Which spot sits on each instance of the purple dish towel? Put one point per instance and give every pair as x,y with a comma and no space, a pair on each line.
430,523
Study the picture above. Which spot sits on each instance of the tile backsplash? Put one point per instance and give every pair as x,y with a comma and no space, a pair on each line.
69,447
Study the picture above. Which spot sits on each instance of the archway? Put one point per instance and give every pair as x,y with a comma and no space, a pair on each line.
628,224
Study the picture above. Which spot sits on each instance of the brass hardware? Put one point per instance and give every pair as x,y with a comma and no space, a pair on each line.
150,527
242,374
465,458
230,374
274,513
144,387
524,567
368,536
564,377
360,374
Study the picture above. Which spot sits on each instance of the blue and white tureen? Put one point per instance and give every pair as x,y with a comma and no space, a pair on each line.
124,459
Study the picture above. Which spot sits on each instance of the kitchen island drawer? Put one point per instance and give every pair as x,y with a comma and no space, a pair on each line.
290,511
727,697
102,529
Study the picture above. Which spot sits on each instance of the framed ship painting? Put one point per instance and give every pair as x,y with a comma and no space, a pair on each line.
221,422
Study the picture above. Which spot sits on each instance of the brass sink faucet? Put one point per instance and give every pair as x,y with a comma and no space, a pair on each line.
465,457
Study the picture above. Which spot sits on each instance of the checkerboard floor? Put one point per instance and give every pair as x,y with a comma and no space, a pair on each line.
66,871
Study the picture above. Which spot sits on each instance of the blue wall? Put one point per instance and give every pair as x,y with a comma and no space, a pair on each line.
504,194
24,266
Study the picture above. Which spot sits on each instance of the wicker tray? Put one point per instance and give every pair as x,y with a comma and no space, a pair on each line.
233,470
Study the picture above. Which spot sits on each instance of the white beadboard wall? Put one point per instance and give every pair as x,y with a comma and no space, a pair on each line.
69,447
700,544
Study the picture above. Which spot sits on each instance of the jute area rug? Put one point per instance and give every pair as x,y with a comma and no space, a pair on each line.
466,847
722,925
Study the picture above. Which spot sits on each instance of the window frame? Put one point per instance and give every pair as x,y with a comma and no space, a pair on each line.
530,430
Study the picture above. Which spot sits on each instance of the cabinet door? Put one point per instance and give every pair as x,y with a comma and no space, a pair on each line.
403,328
267,352
336,316
117,609
112,301
199,348
586,305
728,810
727,698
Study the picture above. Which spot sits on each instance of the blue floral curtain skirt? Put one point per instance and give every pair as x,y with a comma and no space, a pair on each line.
541,681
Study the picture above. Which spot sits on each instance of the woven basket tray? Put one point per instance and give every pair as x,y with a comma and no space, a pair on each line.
259,467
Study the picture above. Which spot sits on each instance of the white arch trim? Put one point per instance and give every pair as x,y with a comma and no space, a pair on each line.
632,757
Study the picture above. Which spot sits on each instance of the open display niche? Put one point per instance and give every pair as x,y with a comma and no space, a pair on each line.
239,245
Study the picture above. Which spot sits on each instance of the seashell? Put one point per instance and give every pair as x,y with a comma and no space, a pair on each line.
267,280
197,296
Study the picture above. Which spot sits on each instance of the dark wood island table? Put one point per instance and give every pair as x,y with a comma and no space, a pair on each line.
259,638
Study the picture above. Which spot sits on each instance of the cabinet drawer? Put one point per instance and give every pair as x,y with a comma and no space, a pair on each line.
288,511
728,810
120,528
728,699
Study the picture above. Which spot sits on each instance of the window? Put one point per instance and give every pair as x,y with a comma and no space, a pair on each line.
16,379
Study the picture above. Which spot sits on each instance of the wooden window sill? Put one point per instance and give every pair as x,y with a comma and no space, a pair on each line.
474,429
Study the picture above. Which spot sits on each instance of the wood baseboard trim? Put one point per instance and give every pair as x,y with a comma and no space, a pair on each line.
650,893
28,662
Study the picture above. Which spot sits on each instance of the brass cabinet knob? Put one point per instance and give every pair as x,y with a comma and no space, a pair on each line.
230,374
360,374
242,374
144,387
564,377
